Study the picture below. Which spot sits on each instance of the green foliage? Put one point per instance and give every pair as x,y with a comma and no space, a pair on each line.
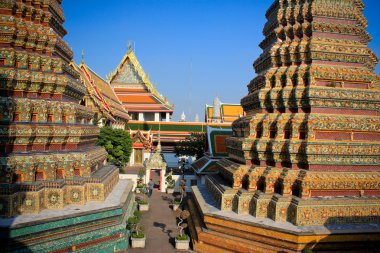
140,235
118,144
141,173
194,145
143,202
133,220
137,214
170,181
134,226
182,237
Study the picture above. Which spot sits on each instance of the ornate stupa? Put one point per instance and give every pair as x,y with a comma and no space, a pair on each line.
49,161
216,111
304,169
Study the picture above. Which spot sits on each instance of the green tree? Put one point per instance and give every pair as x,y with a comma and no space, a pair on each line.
194,145
118,144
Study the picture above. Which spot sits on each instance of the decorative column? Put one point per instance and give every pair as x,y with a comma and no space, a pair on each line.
156,116
147,175
162,180
141,116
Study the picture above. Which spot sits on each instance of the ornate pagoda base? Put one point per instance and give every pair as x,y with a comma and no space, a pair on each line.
37,196
315,211
92,227
215,230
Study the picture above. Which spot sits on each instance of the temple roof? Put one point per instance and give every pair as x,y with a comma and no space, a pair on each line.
216,138
156,161
102,93
134,88
228,112
205,165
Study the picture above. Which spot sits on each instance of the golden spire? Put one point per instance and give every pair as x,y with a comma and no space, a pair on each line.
130,46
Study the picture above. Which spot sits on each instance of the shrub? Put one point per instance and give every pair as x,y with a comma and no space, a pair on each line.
182,237
118,144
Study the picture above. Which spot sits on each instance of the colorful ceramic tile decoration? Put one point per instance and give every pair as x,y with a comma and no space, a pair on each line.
306,153
48,157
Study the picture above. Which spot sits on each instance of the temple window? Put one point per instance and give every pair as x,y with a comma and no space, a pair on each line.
306,81
278,188
39,176
17,178
272,131
296,190
16,117
59,174
261,185
64,119
34,117
77,172
287,134
303,134
50,118
294,82
259,130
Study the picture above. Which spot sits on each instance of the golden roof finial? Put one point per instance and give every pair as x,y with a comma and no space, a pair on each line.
129,45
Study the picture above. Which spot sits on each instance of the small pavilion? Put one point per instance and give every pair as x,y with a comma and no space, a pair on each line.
156,162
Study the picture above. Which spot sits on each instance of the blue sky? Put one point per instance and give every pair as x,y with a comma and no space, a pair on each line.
193,50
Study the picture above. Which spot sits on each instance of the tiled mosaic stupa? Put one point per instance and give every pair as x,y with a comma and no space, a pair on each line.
49,161
305,159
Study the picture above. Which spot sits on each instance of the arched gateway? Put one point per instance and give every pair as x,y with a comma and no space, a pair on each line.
156,162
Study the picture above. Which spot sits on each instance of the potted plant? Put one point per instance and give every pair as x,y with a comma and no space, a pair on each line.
140,183
139,188
176,203
182,240
143,204
170,183
182,189
137,236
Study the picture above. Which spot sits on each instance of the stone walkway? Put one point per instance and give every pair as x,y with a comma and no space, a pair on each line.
160,224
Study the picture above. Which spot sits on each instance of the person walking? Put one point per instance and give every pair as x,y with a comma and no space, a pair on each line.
151,186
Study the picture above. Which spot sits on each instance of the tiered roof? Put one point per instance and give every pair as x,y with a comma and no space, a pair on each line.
134,89
102,94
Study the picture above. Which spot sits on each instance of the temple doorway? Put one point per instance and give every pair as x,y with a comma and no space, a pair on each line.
138,156
155,176
155,169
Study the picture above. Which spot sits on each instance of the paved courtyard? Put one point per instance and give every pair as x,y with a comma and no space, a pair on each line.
160,224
